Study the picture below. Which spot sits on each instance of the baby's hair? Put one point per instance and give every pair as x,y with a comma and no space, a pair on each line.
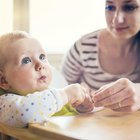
7,40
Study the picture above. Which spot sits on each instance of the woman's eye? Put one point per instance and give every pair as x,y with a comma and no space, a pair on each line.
42,57
110,8
26,60
129,8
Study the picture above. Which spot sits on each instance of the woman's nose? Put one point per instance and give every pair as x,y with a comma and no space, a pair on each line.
118,17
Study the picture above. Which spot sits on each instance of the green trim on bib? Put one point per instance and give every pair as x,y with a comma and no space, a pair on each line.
67,110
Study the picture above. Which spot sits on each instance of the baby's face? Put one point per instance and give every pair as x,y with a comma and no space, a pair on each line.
27,68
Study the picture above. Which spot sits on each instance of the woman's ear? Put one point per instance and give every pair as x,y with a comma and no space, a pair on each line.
3,83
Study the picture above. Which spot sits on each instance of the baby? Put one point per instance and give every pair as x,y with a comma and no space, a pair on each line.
25,75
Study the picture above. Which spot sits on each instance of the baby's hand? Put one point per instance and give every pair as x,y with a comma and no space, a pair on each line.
79,97
86,106
76,94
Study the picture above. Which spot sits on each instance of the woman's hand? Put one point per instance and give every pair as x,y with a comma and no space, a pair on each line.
122,95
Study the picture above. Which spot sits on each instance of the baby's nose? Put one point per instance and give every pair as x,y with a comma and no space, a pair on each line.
39,66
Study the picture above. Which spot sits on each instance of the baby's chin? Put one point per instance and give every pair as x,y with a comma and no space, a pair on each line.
24,90
41,89
29,91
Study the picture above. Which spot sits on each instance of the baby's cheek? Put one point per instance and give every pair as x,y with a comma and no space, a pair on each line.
49,76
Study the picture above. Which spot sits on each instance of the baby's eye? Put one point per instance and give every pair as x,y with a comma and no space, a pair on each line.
42,57
110,8
26,60
129,8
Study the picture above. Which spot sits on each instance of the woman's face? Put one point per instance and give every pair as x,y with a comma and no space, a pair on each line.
123,17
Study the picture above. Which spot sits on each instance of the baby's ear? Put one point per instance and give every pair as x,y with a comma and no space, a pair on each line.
3,83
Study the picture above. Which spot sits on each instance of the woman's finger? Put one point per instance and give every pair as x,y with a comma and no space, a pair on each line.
113,88
124,109
125,103
115,98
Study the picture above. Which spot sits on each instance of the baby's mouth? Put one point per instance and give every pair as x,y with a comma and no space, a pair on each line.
42,77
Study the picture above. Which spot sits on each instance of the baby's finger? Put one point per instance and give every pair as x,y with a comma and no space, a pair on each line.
75,104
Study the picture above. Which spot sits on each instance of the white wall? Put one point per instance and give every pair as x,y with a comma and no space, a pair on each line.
6,16
58,23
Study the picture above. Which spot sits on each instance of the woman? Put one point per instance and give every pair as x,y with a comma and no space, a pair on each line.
108,59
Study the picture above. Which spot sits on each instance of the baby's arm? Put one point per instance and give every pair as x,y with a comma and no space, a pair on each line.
16,110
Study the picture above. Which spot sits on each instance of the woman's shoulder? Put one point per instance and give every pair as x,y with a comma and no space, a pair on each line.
90,37
93,34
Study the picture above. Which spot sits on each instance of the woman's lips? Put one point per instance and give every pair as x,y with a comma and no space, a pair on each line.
120,28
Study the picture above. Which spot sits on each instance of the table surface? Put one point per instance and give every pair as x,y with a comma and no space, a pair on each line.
101,125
